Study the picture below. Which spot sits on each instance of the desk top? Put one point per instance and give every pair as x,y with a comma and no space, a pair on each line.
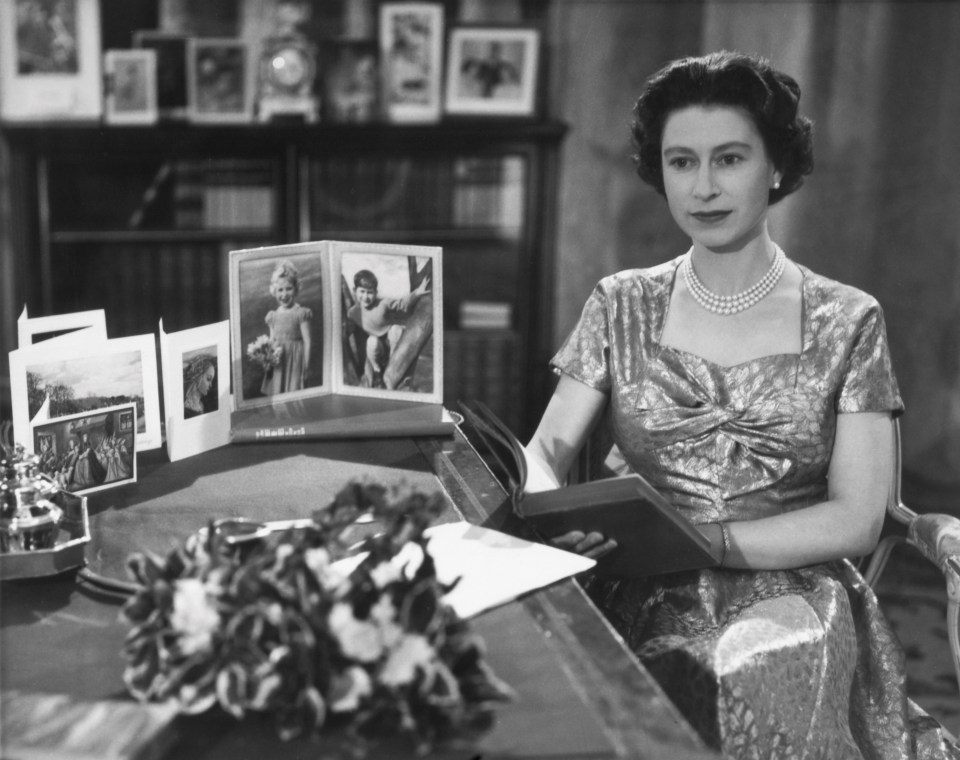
580,692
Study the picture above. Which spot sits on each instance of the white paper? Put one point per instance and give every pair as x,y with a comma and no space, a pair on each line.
494,568
29,328
189,436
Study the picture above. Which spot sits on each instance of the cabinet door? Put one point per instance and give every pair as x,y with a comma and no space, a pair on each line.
474,204
145,236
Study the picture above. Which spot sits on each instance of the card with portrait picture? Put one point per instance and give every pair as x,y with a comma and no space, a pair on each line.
88,451
76,373
130,86
196,388
411,61
331,317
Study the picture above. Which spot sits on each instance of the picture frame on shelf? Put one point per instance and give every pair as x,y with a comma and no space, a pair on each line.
264,370
130,86
171,70
395,285
64,376
351,81
50,60
411,61
89,451
195,367
218,80
492,71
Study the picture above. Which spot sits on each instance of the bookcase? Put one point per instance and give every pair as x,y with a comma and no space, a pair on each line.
139,221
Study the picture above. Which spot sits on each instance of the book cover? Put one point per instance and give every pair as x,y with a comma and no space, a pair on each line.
652,536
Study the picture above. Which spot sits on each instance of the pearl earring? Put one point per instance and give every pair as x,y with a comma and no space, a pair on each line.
776,185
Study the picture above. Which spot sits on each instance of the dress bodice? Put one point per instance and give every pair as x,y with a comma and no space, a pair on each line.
737,442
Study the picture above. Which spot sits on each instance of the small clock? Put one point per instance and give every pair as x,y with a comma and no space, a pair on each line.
288,70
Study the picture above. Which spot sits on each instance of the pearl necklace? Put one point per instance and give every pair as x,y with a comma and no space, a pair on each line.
727,305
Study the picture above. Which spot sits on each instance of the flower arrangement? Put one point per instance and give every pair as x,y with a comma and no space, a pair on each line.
280,626
265,351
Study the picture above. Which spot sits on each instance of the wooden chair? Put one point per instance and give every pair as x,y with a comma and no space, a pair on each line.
936,536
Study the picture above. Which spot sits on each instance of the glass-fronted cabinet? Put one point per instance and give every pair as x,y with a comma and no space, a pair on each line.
139,222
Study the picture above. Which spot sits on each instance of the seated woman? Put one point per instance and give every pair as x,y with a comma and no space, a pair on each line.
758,396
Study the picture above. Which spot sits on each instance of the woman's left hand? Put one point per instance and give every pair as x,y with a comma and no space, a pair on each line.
593,545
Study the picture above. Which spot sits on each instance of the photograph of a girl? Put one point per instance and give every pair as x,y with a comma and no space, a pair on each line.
759,397
281,307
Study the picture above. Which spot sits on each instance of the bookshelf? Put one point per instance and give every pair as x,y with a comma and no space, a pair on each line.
139,220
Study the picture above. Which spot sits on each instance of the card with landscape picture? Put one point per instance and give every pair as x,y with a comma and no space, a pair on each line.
83,375
331,317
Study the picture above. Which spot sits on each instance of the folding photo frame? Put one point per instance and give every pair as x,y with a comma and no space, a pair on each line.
411,61
130,86
492,71
88,451
50,60
218,80
195,366
332,317
32,330
73,376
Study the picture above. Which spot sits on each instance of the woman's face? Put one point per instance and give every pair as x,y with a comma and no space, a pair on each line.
206,380
717,175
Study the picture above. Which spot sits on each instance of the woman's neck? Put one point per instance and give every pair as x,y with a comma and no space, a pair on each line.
731,272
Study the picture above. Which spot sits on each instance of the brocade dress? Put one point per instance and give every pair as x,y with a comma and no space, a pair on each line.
285,329
765,664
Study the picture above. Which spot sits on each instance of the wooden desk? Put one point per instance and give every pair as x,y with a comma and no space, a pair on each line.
581,693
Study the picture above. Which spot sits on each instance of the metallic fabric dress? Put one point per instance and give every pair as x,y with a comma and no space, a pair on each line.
765,664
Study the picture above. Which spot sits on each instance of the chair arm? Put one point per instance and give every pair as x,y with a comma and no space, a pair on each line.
937,537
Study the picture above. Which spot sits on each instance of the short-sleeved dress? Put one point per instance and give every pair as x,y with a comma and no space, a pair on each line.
284,326
765,664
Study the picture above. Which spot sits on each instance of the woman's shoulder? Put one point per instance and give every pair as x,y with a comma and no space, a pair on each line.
640,280
832,294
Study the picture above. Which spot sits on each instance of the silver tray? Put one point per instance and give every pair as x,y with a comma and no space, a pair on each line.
68,552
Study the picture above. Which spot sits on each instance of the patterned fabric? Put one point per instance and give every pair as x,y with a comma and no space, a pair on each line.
765,664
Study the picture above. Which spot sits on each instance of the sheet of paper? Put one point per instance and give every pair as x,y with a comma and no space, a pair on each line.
494,568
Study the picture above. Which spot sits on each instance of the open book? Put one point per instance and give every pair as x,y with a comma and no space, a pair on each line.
652,536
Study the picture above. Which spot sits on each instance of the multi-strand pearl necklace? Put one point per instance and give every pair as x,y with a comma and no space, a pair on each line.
726,305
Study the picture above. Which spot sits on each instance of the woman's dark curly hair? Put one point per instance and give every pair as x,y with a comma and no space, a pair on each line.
728,79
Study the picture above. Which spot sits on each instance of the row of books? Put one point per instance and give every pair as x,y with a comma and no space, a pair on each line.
373,193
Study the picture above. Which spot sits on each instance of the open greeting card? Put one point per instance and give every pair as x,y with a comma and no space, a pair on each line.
336,339
75,369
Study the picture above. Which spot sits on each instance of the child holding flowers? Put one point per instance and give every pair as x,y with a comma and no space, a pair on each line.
289,330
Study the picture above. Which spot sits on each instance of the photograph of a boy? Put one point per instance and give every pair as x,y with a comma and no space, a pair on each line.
388,322
281,300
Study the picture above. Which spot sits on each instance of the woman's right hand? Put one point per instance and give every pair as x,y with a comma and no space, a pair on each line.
593,545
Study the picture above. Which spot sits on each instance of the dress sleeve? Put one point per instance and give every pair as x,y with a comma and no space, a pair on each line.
869,383
305,314
585,354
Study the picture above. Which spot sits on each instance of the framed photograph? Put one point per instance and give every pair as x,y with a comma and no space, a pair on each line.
50,60
32,330
89,451
130,86
171,53
388,321
218,80
196,388
351,81
492,71
64,377
279,321
411,61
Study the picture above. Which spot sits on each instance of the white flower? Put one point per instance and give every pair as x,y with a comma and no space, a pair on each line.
355,684
385,573
358,639
413,652
409,558
330,576
194,616
383,614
